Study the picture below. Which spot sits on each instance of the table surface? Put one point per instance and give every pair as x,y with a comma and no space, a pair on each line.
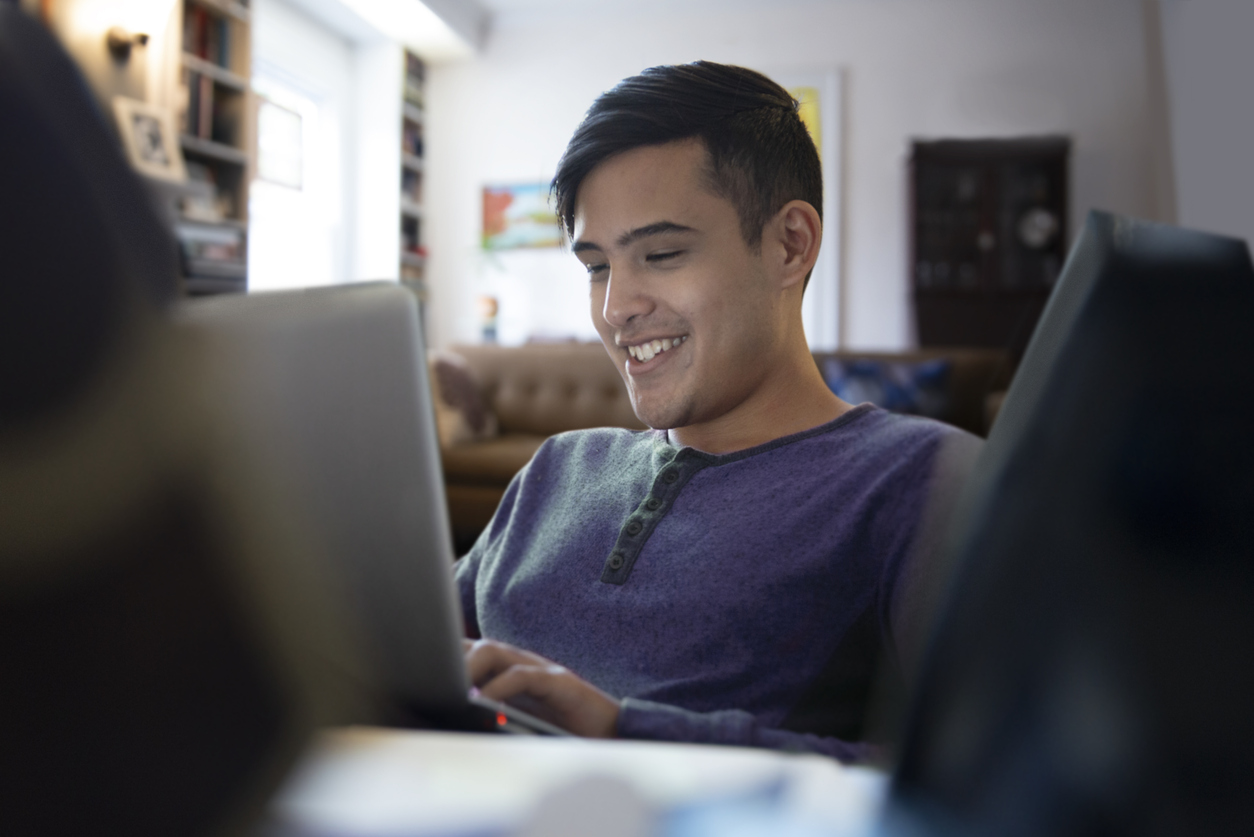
368,781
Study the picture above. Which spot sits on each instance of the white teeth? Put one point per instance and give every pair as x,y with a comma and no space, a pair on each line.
645,352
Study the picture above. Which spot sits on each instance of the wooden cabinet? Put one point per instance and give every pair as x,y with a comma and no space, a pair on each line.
988,237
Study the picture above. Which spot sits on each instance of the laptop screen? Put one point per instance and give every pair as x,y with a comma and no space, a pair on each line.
331,388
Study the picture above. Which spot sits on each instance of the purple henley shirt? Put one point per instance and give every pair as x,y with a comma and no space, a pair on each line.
745,598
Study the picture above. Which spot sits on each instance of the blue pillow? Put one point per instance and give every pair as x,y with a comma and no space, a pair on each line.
917,388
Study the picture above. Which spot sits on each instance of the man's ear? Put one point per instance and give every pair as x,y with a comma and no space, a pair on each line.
797,231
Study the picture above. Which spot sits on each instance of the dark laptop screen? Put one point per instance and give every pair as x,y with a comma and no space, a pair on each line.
1092,670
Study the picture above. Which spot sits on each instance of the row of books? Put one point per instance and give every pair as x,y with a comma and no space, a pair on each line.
411,139
203,201
410,236
208,115
411,186
207,36
414,75
212,251
199,106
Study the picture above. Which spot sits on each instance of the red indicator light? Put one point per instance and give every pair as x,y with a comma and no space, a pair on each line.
501,720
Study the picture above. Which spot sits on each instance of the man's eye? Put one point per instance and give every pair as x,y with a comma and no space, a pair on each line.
594,269
661,257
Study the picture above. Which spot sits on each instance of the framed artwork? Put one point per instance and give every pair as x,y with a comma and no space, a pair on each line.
280,145
150,139
818,90
519,216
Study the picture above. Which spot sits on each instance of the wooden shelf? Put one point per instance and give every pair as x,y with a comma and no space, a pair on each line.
412,259
217,271
411,208
411,161
201,286
216,150
219,74
227,7
412,113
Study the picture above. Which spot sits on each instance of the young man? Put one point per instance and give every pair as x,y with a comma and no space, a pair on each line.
734,575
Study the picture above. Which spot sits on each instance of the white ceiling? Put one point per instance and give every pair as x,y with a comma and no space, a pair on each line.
520,9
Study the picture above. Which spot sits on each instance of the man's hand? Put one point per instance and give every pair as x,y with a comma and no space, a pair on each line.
540,687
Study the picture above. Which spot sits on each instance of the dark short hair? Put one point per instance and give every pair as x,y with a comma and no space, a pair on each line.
760,154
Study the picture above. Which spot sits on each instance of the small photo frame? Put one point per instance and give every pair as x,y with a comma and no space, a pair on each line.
150,138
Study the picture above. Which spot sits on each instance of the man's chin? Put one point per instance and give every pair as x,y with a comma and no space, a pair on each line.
659,417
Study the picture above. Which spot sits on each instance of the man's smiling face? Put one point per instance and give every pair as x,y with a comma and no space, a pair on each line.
682,304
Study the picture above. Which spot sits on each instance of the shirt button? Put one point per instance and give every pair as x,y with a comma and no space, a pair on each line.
616,561
634,527
670,477
654,504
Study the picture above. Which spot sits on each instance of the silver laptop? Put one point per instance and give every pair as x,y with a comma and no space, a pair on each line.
330,388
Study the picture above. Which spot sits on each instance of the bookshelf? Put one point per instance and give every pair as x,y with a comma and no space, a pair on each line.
413,255
988,237
216,132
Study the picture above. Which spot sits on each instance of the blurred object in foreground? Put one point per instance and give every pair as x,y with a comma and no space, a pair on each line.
162,665
1093,671
372,783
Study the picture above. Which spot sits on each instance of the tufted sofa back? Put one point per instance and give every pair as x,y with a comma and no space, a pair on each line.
550,388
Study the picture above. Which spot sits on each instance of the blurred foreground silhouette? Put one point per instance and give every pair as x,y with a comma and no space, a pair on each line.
164,655
1093,669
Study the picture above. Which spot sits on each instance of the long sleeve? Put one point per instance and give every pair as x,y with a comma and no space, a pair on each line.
464,572
467,569
645,719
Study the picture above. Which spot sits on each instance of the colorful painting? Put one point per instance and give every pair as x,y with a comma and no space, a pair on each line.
519,216
808,97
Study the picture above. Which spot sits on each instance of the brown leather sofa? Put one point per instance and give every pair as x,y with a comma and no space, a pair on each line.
539,390
536,391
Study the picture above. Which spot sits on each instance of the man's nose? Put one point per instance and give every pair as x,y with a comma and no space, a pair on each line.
626,297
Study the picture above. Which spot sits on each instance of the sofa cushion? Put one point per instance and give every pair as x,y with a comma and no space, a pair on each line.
460,412
548,388
973,373
490,461
919,388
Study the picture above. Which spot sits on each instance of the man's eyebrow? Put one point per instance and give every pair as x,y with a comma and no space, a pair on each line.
651,229
635,235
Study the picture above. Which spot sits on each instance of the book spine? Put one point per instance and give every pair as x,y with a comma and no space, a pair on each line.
224,43
189,29
211,40
205,122
202,33
192,118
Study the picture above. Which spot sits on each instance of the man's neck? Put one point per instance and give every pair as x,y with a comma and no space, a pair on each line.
793,399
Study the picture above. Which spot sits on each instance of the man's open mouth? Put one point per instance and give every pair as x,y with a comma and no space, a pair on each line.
645,352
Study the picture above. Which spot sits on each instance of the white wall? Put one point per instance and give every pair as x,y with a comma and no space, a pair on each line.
305,237
1210,68
353,72
377,100
913,68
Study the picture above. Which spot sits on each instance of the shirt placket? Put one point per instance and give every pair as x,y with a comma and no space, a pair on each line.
639,525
